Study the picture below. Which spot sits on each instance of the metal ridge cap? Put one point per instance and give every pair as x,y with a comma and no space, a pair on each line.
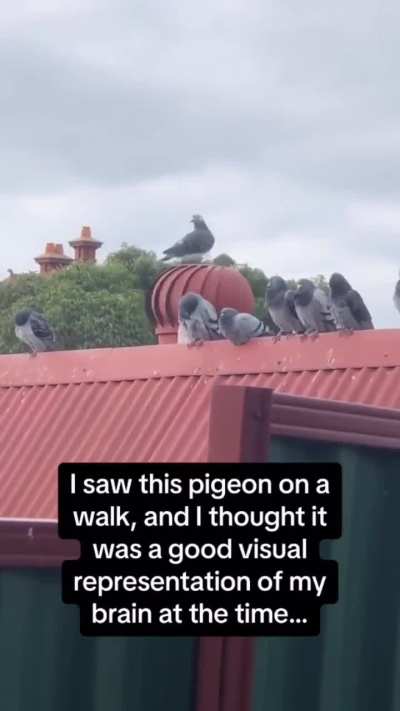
329,352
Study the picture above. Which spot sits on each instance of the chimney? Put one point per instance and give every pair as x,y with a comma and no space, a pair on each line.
85,247
53,258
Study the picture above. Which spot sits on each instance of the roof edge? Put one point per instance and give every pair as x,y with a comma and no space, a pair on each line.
330,351
33,543
334,421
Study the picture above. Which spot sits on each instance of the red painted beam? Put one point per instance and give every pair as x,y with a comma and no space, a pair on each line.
33,544
329,352
239,431
239,426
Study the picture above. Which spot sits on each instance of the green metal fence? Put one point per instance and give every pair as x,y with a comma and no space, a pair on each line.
46,665
354,665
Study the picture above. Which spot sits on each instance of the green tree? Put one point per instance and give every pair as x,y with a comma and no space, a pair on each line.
88,306
224,260
256,278
126,256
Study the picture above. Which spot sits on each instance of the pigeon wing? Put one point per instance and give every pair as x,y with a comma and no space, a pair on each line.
41,328
358,308
324,302
269,322
251,325
209,317
289,299
193,243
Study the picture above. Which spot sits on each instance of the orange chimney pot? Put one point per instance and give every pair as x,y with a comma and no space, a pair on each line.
53,258
85,247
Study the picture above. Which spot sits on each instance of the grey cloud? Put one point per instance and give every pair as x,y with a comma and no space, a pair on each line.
270,118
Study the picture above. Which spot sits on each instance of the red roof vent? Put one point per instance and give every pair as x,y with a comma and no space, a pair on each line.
222,286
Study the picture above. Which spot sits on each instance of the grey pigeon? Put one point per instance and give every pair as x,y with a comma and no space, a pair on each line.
279,301
396,296
240,328
313,308
348,308
198,320
194,245
33,329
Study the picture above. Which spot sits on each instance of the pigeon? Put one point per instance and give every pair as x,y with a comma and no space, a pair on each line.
348,308
279,301
194,245
269,324
33,329
313,308
396,296
198,320
240,328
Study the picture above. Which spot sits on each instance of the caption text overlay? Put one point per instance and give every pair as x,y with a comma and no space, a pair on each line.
200,549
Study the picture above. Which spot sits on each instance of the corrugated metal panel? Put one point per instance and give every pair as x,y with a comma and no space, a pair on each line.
149,421
355,662
137,421
151,404
46,665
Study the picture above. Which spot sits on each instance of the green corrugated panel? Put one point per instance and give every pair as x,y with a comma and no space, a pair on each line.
46,665
354,665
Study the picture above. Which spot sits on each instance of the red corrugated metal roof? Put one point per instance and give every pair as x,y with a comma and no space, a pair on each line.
152,403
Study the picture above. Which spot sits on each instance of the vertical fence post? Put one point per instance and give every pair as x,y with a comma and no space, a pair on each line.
239,431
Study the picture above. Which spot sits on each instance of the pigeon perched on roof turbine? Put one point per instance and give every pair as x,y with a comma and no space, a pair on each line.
239,328
348,308
313,308
198,320
279,301
194,245
396,296
33,329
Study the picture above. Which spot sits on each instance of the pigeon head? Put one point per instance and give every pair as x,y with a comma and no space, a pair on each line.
226,316
397,289
22,317
189,303
198,222
304,292
338,284
275,291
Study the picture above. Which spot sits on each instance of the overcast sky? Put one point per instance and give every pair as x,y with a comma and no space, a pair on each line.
277,121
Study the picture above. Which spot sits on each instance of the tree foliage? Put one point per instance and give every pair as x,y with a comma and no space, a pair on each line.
224,260
88,306
143,266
